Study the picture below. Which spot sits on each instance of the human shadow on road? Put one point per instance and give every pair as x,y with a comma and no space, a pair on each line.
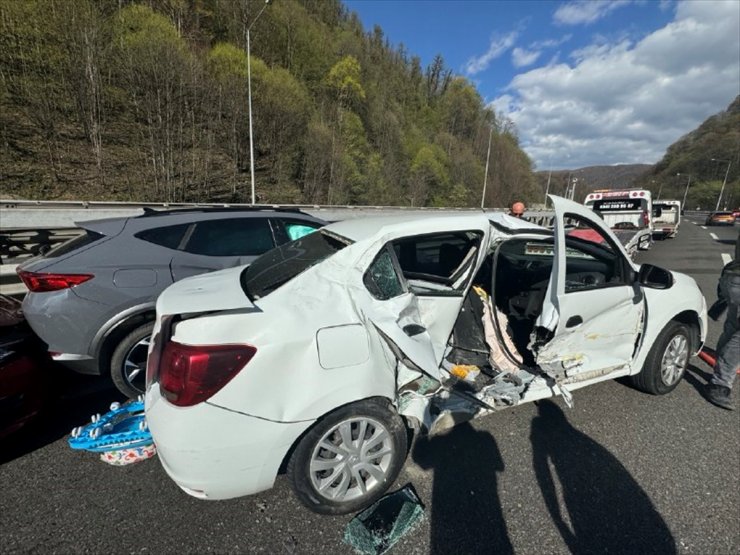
466,514
600,508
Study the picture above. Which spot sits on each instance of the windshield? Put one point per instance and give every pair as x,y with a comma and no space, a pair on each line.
278,266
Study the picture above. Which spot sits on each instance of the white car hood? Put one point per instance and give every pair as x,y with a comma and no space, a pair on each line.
209,292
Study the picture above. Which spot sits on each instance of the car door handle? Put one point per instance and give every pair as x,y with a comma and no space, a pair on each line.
574,321
413,329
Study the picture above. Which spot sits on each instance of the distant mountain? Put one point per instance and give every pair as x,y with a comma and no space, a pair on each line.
619,176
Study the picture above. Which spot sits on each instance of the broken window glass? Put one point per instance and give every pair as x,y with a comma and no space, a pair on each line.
376,529
381,278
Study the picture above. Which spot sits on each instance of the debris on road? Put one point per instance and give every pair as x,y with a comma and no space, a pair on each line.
120,435
376,529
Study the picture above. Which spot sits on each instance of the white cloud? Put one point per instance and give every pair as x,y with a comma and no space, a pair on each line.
586,11
626,102
521,57
498,46
551,43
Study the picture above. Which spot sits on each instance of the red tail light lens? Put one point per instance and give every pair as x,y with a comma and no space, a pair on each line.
645,218
38,282
190,374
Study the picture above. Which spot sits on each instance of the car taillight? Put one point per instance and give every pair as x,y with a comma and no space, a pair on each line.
190,374
38,282
645,218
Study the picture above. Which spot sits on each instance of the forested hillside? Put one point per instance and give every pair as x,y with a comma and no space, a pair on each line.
704,156
115,99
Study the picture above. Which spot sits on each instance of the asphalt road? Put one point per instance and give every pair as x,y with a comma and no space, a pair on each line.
621,472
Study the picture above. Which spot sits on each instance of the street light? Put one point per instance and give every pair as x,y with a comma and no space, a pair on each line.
249,94
722,190
485,177
686,192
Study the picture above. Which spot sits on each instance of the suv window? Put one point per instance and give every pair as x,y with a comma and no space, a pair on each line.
169,236
231,237
290,230
280,265
74,244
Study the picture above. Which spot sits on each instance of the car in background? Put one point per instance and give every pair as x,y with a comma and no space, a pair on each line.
25,379
720,218
324,354
91,300
736,213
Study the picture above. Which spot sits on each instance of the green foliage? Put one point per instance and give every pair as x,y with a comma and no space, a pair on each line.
147,100
344,80
706,154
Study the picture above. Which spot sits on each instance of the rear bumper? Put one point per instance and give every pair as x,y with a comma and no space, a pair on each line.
82,364
214,453
64,322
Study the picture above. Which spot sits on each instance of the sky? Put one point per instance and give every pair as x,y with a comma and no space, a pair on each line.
586,82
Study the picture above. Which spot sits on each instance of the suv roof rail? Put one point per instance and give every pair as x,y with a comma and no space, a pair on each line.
148,211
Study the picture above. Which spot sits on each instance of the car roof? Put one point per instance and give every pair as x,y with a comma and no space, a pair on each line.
161,218
419,223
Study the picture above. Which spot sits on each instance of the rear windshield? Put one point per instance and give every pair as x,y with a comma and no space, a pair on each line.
74,244
278,266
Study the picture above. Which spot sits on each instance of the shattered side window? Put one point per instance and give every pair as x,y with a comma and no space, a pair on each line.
381,278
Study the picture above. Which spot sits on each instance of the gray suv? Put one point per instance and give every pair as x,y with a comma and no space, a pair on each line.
92,299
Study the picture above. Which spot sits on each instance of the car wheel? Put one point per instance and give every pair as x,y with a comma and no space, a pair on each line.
349,458
666,362
128,363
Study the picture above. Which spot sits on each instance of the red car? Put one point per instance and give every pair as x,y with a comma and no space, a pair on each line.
24,377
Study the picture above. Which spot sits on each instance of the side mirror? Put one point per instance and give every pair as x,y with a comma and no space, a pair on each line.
654,277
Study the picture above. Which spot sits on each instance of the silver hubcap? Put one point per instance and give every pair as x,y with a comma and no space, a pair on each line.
674,361
351,459
134,365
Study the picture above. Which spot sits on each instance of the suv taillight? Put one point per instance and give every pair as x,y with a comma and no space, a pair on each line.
38,282
190,374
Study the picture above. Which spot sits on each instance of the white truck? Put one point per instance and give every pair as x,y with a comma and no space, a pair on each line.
666,218
628,212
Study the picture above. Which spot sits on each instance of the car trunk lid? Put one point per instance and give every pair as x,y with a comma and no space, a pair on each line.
210,292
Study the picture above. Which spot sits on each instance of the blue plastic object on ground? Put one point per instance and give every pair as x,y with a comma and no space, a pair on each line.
123,427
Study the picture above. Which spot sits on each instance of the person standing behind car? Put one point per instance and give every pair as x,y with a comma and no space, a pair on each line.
517,209
719,388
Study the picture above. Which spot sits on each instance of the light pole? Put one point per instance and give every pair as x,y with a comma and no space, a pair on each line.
722,190
485,177
249,94
686,192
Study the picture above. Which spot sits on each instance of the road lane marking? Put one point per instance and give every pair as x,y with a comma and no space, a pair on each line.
703,227
713,236
726,258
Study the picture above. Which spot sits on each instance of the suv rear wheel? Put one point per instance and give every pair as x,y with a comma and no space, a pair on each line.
128,363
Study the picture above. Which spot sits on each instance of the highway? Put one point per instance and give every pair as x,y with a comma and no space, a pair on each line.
620,472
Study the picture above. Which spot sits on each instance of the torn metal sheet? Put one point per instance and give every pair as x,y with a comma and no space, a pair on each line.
379,527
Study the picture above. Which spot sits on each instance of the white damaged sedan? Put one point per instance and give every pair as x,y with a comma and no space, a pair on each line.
323,355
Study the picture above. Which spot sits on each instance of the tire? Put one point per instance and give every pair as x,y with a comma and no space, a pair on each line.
666,362
351,487
128,363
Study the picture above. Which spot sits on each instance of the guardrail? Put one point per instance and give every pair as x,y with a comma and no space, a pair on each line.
18,244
